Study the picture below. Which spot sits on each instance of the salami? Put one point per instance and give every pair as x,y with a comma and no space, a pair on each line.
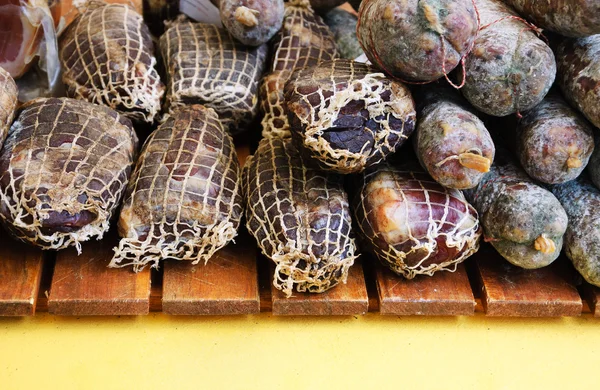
205,65
509,69
347,116
252,22
581,201
417,40
523,221
452,143
324,5
64,168
8,102
343,26
579,74
411,223
554,142
107,57
594,164
300,218
183,200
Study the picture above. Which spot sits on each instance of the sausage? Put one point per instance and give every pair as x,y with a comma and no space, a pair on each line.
300,218
343,26
8,102
107,57
411,223
252,22
184,199
325,5
593,166
523,221
346,116
65,166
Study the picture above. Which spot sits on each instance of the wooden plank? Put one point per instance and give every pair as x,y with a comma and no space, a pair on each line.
226,285
20,275
443,294
344,299
592,295
84,285
512,291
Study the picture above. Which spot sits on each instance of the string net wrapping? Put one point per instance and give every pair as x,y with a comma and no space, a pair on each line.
303,41
184,199
64,168
299,217
107,57
206,65
413,224
346,116
8,102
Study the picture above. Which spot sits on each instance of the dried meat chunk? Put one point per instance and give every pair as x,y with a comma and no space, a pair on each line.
107,56
206,65
184,199
8,102
347,116
65,166
304,41
299,217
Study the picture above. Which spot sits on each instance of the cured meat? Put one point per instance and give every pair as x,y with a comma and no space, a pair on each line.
411,223
205,65
509,69
8,103
299,217
64,168
108,58
347,116
343,26
417,40
571,18
323,5
523,221
594,163
554,142
183,200
304,41
581,201
156,12
579,74
252,22
452,143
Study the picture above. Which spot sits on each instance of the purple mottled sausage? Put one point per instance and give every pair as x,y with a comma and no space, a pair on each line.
252,22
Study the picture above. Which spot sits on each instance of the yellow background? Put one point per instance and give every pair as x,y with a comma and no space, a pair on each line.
369,352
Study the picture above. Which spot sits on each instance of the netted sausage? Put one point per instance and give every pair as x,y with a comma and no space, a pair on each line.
65,166
347,116
252,22
8,102
183,200
107,57
452,143
304,40
509,69
343,26
417,40
411,223
523,221
299,217
205,65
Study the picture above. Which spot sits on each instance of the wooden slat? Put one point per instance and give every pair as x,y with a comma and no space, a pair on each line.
507,290
592,296
443,294
84,285
344,299
20,275
227,284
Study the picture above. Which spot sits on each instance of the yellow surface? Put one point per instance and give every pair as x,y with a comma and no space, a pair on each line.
370,352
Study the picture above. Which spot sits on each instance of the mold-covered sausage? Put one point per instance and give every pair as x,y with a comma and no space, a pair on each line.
346,116
579,74
304,40
417,40
343,26
593,166
8,102
324,5
107,57
571,18
509,69
581,201
252,22
451,142
205,65
553,141
64,168
183,200
523,221
299,217
411,223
